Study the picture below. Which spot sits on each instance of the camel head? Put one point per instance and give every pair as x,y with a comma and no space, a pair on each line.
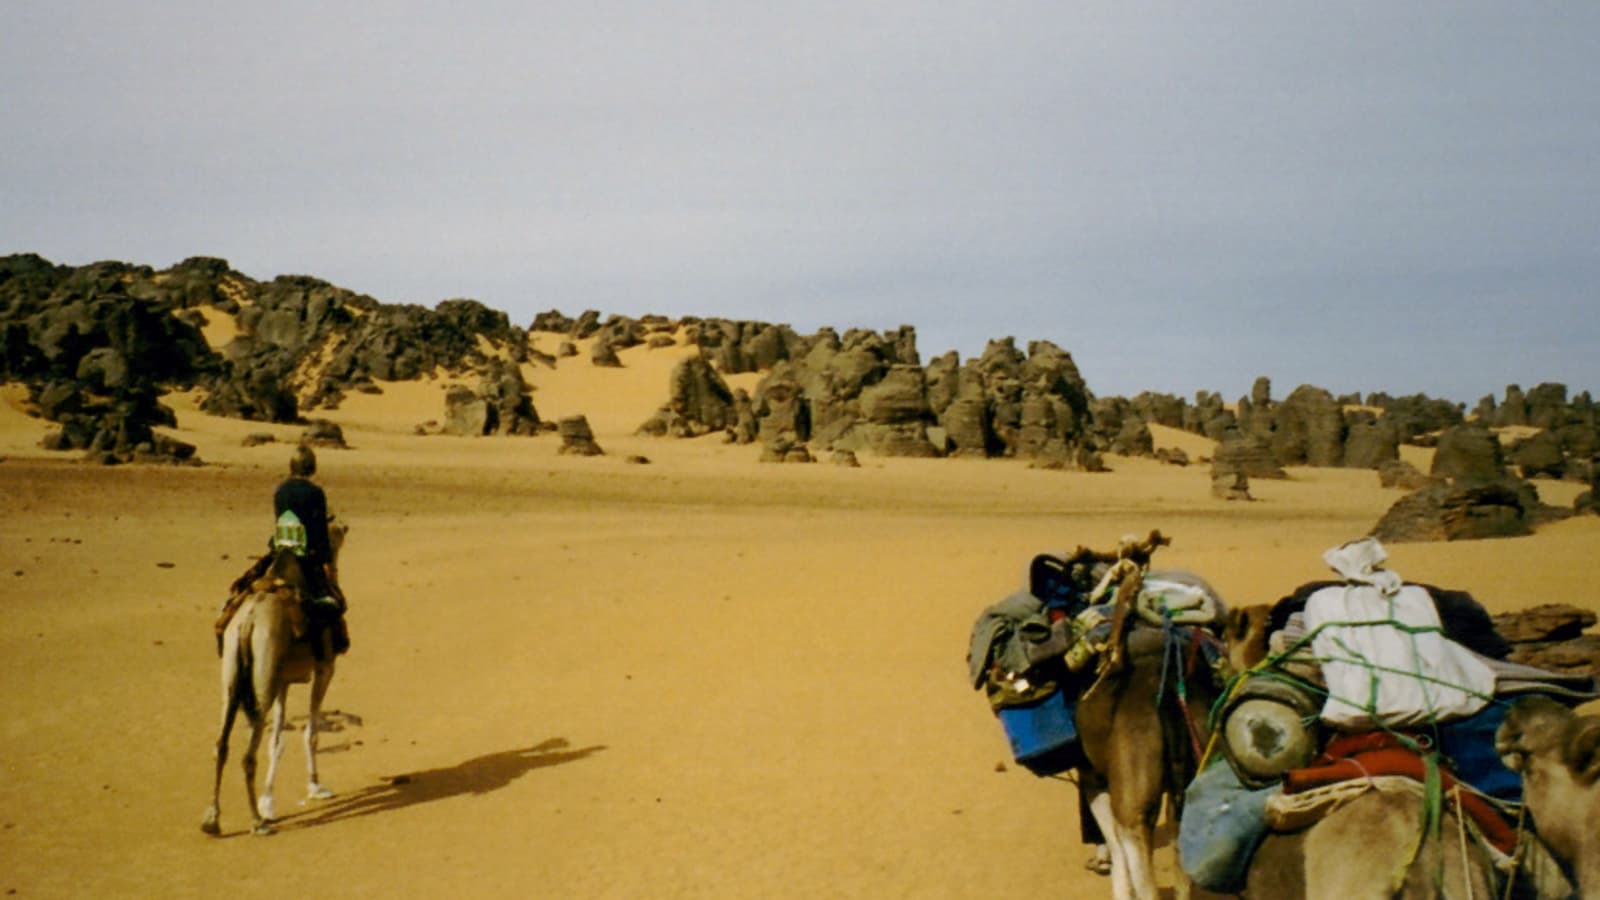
1538,734
1557,752
337,529
1244,628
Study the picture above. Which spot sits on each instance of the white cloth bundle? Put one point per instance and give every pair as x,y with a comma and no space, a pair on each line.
1383,655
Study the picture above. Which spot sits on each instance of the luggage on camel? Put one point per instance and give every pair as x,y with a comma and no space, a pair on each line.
1366,688
1224,821
1384,657
1032,652
1015,657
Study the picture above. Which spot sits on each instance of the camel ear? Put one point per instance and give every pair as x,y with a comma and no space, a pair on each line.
1583,749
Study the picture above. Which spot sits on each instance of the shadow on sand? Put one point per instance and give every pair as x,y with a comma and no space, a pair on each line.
479,775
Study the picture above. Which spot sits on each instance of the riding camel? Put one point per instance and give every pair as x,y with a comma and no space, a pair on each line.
1142,723
266,647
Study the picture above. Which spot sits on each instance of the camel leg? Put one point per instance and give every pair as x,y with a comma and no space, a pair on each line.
230,706
1136,849
267,687
1100,808
264,804
257,723
321,676
1132,875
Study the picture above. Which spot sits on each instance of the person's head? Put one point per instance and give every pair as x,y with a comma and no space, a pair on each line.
303,464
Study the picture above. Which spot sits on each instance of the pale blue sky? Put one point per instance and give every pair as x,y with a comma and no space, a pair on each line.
1363,196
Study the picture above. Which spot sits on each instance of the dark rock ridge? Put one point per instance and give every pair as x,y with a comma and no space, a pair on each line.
97,346
1312,427
867,391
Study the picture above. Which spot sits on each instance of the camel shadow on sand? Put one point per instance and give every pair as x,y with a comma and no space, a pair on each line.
478,775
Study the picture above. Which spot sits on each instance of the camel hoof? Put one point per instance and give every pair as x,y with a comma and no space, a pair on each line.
317,792
263,829
210,826
264,809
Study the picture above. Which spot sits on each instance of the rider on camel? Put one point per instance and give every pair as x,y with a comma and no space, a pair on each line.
300,510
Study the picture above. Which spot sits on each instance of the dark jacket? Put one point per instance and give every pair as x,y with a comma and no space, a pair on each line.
310,505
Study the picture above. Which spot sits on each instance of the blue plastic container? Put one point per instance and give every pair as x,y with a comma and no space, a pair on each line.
1044,738
1469,744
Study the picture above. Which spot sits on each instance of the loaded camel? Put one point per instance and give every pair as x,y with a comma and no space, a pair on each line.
1375,844
266,648
1142,723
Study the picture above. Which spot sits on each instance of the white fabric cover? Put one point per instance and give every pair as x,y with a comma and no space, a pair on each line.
1361,696
1184,596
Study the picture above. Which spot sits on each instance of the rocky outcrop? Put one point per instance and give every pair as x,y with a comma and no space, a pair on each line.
1308,429
1401,474
1370,442
508,399
1038,403
577,438
98,345
1538,456
1468,509
865,391
780,408
1468,453
1551,637
1417,414
783,450
1573,424
698,403
465,413
895,414
1246,454
324,433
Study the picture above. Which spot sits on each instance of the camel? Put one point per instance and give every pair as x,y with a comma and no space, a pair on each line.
1558,754
1142,726
264,650
1376,844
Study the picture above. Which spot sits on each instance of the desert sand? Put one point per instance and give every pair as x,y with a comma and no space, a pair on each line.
579,677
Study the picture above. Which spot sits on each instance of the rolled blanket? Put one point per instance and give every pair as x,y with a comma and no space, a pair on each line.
1362,757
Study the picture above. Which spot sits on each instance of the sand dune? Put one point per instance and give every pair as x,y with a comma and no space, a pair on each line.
702,677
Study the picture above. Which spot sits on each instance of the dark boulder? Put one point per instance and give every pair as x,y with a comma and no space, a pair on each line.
1245,453
698,402
324,433
465,412
1308,429
1539,456
895,414
1469,509
1398,473
1370,444
1546,622
576,437
1468,453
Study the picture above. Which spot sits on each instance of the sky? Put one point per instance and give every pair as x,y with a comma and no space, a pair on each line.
1362,196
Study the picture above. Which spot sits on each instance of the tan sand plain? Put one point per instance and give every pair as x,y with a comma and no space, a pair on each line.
701,677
